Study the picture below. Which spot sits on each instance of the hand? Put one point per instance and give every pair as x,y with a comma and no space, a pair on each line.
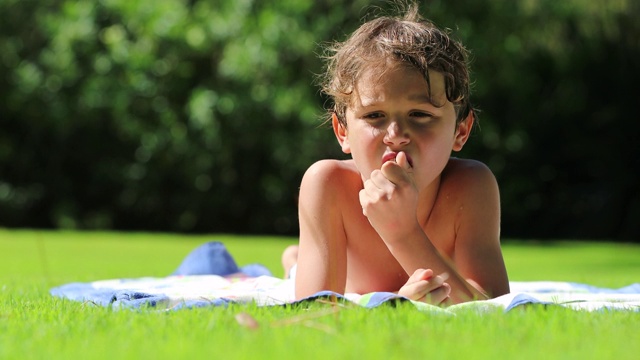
424,287
389,199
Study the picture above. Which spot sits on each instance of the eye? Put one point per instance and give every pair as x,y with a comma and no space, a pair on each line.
420,117
420,114
373,116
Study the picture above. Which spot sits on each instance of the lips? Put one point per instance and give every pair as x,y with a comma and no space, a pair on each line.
392,157
389,157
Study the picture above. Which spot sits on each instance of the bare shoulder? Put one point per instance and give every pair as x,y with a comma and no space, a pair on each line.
330,172
465,168
331,167
469,199
467,177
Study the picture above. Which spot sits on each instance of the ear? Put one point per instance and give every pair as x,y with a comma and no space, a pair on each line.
463,130
341,134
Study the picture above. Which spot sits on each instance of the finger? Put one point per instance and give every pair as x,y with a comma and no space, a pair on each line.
437,296
442,277
374,193
420,274
364,201
426,286
395,173
403,160
425,290
424,281
415,291
380,181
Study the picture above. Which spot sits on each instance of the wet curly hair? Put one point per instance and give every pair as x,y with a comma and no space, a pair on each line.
398,40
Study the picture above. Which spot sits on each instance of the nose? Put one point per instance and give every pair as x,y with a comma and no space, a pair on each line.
396,135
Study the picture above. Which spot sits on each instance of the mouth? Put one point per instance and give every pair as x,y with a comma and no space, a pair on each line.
392,157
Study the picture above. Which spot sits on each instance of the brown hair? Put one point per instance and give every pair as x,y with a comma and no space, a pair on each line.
409,39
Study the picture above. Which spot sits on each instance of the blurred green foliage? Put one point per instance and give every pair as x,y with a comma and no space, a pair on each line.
201,116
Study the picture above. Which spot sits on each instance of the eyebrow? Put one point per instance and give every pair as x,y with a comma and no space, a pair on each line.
419,98
422,98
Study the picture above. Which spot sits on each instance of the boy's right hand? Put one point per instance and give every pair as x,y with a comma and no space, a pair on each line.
423,286
389,200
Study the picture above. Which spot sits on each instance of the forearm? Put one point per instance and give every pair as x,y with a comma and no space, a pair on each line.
415,251
319,271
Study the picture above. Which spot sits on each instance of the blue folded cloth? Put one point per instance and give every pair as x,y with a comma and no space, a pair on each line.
202,280
212,258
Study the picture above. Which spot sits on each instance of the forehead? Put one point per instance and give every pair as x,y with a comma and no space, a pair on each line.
400,81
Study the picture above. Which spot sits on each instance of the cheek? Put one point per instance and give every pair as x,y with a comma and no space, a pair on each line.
366,149
367,136
442,139
436,149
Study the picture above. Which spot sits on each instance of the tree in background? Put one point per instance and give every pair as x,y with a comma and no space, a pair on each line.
202,115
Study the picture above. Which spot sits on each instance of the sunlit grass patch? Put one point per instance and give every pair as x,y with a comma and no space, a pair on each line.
35,325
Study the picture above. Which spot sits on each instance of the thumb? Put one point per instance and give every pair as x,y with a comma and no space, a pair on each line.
403,161
398,171
421,274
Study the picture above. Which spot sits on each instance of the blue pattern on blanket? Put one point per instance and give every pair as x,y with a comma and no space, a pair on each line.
210,277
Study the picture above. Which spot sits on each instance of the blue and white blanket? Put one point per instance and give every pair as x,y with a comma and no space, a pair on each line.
210,277
186,291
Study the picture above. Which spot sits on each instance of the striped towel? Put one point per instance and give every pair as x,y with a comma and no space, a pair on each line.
188,291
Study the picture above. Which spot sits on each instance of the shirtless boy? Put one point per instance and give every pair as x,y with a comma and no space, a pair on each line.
402,215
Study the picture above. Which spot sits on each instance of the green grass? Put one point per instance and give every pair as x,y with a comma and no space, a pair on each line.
34,325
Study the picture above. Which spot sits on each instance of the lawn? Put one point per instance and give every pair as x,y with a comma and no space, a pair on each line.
34,325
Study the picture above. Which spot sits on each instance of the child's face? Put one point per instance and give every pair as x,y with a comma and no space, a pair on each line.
393,112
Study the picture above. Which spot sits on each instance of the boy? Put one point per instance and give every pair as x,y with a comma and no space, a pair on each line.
402,215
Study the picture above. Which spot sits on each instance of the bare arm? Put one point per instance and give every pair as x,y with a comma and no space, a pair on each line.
391,209
322,254
477,253
417,252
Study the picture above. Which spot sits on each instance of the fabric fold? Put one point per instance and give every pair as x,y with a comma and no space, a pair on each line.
209,276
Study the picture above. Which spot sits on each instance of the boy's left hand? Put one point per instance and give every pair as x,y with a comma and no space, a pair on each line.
390,199
425,287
